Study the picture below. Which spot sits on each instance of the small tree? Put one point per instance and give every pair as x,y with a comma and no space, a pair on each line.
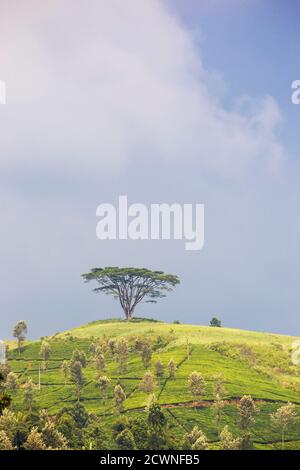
95,437
138,344
44,417
5,369
99,361
195,440
120,397
45,352
156,417
139,429
218,407
151,400
218,400
188,348
79,356
219,386
112,346
197,384
92,348
12,382
228,442
19,332
172,369
29,394
125,440
146,355
283,418
80,415
52,438
201,443
147,383
5,399
9,423
77,377
5,442
247,411
122,354
159,369
215,322
65,369
35,440
131,285
103,384
157,423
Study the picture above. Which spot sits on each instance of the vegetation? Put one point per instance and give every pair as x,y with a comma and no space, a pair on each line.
150,385
131,285
215,322
19,332
283,418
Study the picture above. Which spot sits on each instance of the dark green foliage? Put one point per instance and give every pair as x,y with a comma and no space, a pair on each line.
72,422
67,426
5,399
140,431
125,440
215,322
96,437
156,418
20,436
119,425
80,415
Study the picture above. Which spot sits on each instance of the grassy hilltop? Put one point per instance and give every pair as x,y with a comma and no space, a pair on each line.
256,364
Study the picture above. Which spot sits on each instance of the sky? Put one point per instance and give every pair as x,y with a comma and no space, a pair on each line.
163,101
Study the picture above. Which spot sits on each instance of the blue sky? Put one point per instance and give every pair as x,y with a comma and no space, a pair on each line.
254,45
180,101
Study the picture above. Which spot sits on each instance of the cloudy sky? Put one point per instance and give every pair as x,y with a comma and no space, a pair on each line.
164,101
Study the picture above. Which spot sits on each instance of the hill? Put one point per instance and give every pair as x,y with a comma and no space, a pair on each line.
252,363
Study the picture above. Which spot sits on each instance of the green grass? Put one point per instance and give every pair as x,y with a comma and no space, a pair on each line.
252,363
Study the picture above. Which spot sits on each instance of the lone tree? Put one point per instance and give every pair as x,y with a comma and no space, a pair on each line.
132,285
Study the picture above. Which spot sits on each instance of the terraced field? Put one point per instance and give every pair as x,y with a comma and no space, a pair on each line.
256,364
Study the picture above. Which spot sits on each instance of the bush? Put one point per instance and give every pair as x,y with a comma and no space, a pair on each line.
215,322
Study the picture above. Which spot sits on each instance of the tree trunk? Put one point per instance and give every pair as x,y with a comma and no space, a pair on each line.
128,313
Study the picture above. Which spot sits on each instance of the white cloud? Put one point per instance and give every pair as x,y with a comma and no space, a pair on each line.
93,87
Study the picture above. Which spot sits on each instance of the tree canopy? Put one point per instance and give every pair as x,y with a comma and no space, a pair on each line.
132,285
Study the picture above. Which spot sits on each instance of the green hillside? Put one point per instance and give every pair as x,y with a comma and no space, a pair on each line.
256,364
